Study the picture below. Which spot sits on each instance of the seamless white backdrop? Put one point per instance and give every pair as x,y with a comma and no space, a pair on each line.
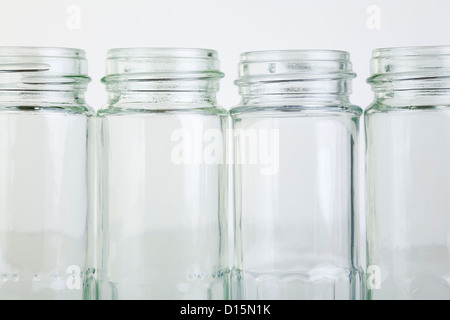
229,26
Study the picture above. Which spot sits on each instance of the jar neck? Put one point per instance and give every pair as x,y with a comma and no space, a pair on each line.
159,99
304,92
161,78
143,93
40,76
41,98
295,77
411,76
413,92
414,98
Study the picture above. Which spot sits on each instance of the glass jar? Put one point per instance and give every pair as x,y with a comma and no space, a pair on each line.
408,174
295,142
44,182
163,176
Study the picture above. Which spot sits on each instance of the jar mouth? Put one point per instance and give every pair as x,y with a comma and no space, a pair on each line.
411,51
158,52
409,63
149,64
292,65
294,54
13,51
35,67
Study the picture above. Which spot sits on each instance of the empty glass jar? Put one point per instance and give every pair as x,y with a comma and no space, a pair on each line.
162,177
408,174
44,181
295,143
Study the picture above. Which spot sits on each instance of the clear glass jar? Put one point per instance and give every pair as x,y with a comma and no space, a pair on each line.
163,176
296,141
44,182
408,174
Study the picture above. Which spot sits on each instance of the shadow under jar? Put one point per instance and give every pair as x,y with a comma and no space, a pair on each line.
295,149
44,182
162,176
408,174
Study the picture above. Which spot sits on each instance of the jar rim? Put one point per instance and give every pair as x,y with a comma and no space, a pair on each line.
158,52
43,68
411,51
293,65
145,64
30,51
409,63
303,54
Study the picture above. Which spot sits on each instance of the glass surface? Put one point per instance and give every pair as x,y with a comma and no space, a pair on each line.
408,174
295,147
163,177
294,226
408,177
162,233
44,178
43,196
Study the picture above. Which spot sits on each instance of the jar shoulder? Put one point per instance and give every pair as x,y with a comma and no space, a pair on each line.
380,107
280,110
38,108
166,109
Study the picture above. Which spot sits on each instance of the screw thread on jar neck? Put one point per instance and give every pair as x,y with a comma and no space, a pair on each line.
312,76
411,75
159,75
39,75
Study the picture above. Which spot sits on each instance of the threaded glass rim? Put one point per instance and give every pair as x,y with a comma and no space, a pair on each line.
140,64
285,65
59,52
409,63
301,54
411,51
149,52
43,68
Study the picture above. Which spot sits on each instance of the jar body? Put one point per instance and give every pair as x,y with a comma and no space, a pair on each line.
163,201
295,205
44,200
408,207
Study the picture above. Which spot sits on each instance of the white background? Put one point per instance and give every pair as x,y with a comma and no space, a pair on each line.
229,26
